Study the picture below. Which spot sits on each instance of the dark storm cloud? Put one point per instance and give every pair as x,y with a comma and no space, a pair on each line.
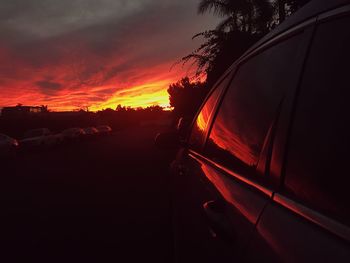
88,43
48,85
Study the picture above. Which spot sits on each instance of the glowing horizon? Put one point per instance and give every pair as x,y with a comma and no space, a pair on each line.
95,54
151,93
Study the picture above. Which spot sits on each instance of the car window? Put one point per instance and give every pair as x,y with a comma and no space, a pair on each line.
251,106
201,124
317,170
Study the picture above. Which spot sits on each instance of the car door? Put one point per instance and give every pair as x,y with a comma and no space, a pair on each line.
192,238
221,180
309,217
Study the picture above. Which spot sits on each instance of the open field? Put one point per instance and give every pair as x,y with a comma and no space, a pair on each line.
103,200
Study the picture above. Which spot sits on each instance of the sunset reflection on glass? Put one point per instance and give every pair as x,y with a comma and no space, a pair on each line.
200,126
227,140
203,119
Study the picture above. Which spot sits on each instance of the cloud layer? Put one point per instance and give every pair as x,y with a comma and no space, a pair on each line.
75,53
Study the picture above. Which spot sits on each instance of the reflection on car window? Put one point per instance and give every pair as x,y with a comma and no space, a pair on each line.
200,126
317,170
250,106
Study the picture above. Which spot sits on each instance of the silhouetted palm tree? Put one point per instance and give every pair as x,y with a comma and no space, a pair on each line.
244,22
284,8
244,15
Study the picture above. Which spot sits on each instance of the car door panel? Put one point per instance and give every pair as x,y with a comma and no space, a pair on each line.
291,238
243,197
243,206
194,242
244,203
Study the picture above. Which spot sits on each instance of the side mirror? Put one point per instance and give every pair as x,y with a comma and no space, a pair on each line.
183,126
167,140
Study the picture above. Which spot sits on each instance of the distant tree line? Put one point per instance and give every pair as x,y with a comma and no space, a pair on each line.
153,108
243,23
120,118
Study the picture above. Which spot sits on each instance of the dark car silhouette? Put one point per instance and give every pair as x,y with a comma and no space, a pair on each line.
104,130
8,146
73,134
263,175
41,137
90,131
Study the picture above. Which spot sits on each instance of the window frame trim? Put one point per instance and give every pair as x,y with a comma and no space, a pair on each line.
313,216
335,13
246,181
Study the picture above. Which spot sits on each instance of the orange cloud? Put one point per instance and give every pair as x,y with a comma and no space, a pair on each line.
63,90
99,59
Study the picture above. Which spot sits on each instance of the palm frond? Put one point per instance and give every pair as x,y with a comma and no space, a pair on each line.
218,7
228,23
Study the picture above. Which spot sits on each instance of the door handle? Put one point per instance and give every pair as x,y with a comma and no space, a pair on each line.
217,221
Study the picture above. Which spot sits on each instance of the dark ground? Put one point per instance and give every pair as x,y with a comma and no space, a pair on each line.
104,200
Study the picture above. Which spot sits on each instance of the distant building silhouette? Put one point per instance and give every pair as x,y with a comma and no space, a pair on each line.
20,110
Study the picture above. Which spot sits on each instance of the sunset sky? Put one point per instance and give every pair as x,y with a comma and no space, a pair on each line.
72,54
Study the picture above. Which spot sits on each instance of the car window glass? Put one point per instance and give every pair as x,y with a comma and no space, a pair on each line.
201,124
251,105
317,170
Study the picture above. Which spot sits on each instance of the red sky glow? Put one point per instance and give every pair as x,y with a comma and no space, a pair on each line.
96,54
